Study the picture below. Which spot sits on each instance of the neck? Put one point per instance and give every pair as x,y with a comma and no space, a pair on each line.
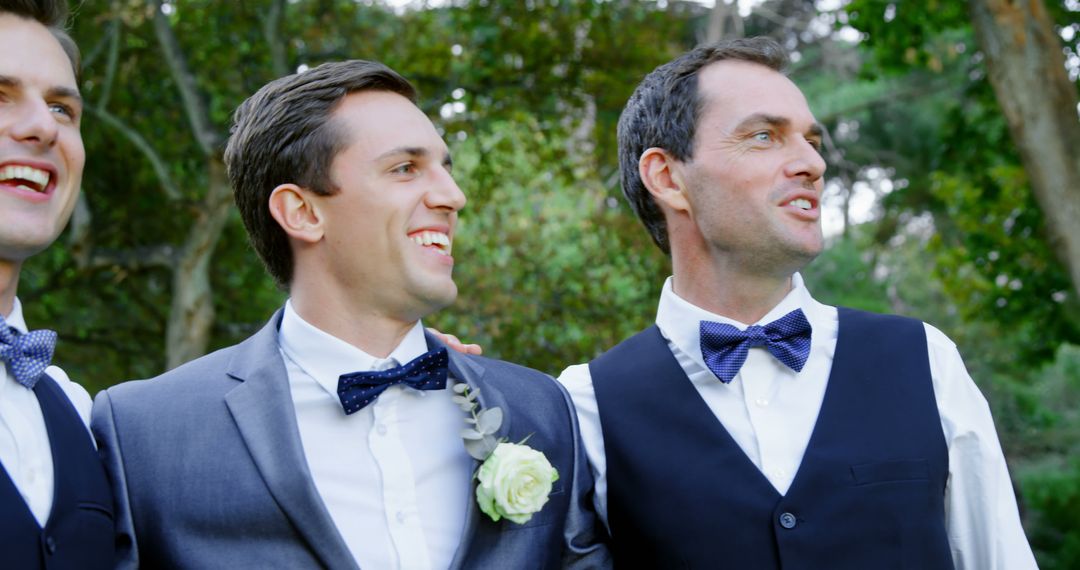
9,283
361,325
727,290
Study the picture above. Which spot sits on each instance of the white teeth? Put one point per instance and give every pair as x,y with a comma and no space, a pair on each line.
30,174
433,238
801,203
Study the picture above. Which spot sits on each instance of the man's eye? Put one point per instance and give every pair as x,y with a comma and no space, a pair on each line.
407,168
763,136
62,109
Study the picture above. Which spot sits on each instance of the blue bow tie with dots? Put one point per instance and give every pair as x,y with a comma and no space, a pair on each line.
725,347
425,372
27,355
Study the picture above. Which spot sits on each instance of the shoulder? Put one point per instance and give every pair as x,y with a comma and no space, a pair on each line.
515,377
576,378
522,384
201,377
513,374
938,341
78,395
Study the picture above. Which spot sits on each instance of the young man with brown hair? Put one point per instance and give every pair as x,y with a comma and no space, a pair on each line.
55,500
333,436
753,426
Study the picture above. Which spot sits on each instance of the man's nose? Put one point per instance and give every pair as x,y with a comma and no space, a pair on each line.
35,123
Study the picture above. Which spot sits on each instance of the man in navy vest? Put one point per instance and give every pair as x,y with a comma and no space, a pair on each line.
754,427
55,503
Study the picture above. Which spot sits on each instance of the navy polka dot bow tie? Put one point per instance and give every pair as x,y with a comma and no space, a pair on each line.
425,372
27,355
724,346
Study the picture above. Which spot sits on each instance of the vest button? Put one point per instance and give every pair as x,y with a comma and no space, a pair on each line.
50,544
787,520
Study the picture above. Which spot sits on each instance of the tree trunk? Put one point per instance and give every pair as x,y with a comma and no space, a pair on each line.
191,317
1027,70
724,22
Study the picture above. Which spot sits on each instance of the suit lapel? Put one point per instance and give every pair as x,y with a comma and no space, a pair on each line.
470,371
262,407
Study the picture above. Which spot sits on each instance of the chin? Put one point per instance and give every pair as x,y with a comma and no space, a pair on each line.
439,296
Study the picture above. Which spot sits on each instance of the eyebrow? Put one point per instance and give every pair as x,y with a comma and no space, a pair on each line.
52,93
415,152
779,122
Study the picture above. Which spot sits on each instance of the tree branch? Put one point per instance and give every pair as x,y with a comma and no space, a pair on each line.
135,258
205,133
160,169
111,62
271,29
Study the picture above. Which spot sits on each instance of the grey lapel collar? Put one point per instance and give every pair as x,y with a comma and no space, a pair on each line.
472,372
262,407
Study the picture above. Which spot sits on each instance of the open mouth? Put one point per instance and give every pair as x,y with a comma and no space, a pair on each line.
802,204
436,241
25,178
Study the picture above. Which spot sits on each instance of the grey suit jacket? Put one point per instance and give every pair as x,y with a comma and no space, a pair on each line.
208,471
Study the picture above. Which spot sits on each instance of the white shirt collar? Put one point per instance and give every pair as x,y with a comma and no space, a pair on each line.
325,357
679,320
15,319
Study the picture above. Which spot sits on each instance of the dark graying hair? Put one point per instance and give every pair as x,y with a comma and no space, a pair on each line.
52,14
664,111
283,134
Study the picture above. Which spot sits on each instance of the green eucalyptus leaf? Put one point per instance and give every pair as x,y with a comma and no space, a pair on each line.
477,449
489,421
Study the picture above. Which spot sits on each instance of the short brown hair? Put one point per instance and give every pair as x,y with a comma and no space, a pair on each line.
52,14
283,134
664,111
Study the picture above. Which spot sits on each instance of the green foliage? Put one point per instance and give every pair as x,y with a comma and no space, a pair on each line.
1052,485
1054,497
545,258
844,275
992,251
552,266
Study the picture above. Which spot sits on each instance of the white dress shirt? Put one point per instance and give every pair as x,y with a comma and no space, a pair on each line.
395,475
24,440
772,416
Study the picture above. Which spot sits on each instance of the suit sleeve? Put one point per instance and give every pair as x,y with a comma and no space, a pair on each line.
584,537
104,429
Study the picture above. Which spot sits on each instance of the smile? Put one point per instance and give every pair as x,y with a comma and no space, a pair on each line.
802,204
25,177
437,241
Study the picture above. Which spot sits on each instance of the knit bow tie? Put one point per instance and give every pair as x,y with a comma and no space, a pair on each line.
425,372
27,355
725,347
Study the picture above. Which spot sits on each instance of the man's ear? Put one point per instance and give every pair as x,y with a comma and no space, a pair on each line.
659,173
297,213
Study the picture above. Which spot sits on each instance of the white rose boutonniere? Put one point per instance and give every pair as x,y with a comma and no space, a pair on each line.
514,480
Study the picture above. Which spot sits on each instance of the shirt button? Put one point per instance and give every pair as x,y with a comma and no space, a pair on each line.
31,476
50,544
761,402
380,429
401,516
787,520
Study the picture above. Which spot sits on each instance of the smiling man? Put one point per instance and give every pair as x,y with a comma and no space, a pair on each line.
54,498
333,436
752,426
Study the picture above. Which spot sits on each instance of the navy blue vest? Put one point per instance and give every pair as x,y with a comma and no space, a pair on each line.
868,494
80,532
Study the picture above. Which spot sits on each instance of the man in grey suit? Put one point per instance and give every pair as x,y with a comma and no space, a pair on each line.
333,437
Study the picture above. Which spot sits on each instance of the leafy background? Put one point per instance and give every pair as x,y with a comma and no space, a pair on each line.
933,211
